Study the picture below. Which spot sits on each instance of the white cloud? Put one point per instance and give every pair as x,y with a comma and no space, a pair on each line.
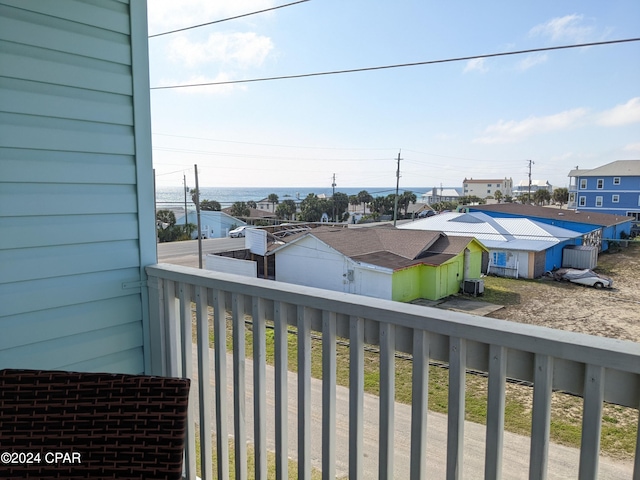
632,147
621,114
242,50
512,131
515,130
167,15
475,65
567,28
531,61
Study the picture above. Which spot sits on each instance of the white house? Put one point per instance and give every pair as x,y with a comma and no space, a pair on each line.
523,187
483,188
441,195
212,224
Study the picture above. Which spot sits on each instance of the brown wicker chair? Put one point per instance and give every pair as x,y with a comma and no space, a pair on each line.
68,425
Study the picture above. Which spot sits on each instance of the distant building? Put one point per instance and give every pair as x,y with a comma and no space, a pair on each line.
387,263
441,194
212,224
613,188
518,247
483,188
523,187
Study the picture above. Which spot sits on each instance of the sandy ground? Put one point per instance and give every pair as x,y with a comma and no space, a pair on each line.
611,313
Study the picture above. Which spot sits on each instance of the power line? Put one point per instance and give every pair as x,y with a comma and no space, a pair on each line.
428,62
225,19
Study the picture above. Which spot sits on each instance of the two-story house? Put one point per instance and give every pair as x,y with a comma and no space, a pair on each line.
483,188
612,188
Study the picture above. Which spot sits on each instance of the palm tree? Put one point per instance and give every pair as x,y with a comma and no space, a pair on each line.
405,199
542,196
210,205
498,195
273,198
364,197
561,195
252,204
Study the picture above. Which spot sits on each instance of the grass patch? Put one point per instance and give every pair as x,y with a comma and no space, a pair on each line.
619,429
251,465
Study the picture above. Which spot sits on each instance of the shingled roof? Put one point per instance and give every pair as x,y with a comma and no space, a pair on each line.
390,247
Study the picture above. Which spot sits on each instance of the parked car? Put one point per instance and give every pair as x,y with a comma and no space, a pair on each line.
238,232
426,213
583,277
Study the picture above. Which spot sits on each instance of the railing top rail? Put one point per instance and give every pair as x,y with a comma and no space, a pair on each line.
606,352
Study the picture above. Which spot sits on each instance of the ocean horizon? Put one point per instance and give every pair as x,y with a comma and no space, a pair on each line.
227,196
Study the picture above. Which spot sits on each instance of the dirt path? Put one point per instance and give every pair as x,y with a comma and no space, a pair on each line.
611,313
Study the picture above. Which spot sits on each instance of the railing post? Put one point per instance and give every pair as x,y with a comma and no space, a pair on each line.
356,396
495,411
591,422
282,390
541,417
259,389
387,398
304,394
186,323
328,395
204,382
456,410
220,364
419,404
157,320
239,385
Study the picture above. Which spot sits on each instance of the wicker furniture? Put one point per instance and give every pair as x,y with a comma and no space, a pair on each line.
69,425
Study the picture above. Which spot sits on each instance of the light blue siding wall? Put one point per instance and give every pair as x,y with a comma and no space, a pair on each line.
76,187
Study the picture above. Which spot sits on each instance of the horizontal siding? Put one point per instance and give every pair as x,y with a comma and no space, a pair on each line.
34,98
74,320
30,131
30,232
111,16
27,63
73,349
26,264
67,199
70,245
126,361
38,166
34,296
44,31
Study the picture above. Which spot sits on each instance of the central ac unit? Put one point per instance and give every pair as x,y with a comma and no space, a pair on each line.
473,287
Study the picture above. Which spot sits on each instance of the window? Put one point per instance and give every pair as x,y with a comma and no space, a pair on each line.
615,198
489,185
583,201
598,201
489,191
616,180
583,183
600,185
498,185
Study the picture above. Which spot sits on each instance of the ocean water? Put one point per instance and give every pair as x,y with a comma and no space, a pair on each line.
174,196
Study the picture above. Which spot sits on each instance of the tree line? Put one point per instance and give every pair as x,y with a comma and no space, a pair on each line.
336,208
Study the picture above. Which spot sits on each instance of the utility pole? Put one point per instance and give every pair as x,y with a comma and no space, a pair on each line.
198,215
186,214
395,206
531,162
333,194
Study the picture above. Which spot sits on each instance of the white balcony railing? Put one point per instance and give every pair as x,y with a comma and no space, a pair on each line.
599,369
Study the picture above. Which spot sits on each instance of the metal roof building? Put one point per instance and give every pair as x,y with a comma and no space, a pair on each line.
519,247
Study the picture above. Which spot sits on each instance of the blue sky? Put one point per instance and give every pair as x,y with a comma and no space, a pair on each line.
479,118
